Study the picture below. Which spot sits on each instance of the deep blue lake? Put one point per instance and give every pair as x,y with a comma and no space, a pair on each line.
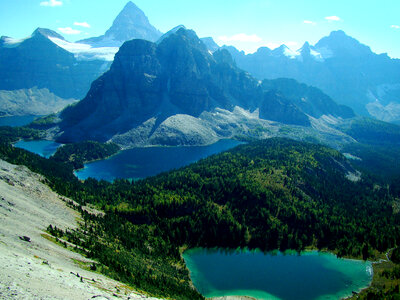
311,275
43,148
139,163
17,120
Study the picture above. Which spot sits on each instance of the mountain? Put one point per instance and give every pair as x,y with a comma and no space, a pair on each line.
131,23
175,92
48,76
210,44
340,66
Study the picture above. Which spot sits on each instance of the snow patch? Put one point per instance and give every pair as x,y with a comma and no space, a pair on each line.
11,42
85,51
291,53
316,55
324,52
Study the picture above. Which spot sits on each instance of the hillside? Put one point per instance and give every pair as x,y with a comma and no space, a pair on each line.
27,207
272,194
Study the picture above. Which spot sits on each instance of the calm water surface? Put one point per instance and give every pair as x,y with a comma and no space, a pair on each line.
16,120
311,275
144,162
43,148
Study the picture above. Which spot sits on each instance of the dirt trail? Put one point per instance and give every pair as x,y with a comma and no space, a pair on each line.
38,268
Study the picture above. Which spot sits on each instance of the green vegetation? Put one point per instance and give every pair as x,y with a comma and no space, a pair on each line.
272,194
375,132
383,286
13,134
379,160
386,280
80,153
395,256
44,122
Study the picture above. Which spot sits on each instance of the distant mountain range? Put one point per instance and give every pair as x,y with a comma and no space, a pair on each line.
175,92
182,90
340,66
43,73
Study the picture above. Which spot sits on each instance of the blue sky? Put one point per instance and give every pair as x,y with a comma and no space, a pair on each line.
246,24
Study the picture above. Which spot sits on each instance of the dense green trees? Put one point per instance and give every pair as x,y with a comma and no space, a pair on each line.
272,194
80,153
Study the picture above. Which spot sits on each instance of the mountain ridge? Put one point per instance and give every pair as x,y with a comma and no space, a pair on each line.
154,91
340,66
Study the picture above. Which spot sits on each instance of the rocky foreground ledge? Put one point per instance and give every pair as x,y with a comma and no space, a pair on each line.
32,267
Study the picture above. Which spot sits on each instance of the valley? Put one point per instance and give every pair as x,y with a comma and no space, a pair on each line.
139,161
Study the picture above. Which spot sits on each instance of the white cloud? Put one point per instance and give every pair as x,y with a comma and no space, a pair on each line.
51,3
69,30
309,22
291,44
395,26
241,37
82,24
333,18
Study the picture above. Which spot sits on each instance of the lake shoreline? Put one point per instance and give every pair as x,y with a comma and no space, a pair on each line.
241,291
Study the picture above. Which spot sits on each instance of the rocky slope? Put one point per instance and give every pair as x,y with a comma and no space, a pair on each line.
27,207
131,23
340,66
176,92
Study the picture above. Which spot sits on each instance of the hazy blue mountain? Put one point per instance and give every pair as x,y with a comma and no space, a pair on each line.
37,68
176,92
210,44
340,66
131,23
290,102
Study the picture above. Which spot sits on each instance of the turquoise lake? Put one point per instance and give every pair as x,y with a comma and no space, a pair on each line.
311,275
16,120
139,163
43,148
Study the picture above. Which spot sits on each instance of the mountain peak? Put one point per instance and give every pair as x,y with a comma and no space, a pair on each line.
47,33
130,5
263,51
171,32
305,50
338,33
339,43
131,23
180,35
281,50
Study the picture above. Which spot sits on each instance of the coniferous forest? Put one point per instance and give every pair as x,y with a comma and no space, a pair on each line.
271,194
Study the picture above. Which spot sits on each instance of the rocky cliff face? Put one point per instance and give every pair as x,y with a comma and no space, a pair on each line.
340,66
150,84
131,23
